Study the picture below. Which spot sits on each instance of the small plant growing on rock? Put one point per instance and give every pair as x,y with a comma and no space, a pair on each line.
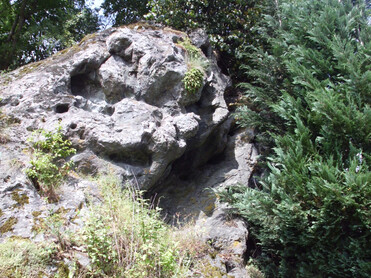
49,165
197,64
193,80
192,51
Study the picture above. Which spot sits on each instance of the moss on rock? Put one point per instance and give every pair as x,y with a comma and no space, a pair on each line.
8,225
211,271
20,199
38,223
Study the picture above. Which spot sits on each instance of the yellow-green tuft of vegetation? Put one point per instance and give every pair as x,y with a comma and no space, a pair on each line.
197,65
21,258
192,50
193,80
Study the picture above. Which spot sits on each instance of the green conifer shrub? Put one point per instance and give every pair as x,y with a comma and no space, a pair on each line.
309,99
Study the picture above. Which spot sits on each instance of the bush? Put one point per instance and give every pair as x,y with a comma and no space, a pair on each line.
311,96
49,165
193,80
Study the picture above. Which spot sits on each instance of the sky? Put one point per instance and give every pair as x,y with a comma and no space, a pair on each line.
106,23
95,3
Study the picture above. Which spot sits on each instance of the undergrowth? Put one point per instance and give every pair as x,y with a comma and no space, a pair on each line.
21,258
126,237
123,235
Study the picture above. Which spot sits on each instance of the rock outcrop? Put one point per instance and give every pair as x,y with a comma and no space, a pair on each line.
120,99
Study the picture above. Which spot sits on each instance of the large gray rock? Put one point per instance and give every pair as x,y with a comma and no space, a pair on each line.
120,95
120,99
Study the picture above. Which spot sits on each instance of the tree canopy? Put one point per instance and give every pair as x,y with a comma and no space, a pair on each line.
228,23
31,30
125,11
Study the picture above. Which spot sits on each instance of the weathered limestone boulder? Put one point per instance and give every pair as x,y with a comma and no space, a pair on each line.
119,97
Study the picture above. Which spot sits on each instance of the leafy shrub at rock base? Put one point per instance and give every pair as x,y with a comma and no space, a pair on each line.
125,238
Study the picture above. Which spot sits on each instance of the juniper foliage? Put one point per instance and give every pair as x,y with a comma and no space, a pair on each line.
309,99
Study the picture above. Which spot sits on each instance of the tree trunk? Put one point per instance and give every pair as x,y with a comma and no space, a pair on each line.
13,38
18,23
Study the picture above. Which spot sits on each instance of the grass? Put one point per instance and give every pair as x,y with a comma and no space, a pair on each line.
126,237
23,258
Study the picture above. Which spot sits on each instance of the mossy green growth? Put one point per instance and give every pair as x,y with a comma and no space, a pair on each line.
210,271
22,258
63,271
1,213
209,208
36,214
38,223
193,80
5,79
192,50
86,38
142,25
20,199
5,122
30,68
197,65
8,225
